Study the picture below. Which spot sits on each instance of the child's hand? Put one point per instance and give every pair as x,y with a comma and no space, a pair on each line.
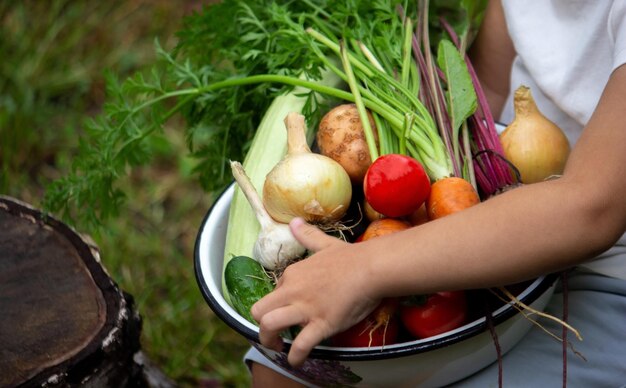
325,294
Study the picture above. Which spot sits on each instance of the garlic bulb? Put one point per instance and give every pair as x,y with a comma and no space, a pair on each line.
305,184
276,246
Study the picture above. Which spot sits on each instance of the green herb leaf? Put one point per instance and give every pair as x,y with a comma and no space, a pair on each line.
199,82
460,94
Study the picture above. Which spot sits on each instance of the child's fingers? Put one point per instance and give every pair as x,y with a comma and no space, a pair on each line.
311,335
275,321
309,236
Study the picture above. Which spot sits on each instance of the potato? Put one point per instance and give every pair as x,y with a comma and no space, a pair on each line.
340,136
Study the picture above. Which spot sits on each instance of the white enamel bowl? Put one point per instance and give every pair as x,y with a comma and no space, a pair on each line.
430,362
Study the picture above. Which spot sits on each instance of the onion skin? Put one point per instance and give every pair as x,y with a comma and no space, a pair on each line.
305,184
340,136
535,145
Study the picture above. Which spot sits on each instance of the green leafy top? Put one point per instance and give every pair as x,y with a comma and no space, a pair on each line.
200,79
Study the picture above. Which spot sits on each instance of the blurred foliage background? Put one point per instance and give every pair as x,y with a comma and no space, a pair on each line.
55,54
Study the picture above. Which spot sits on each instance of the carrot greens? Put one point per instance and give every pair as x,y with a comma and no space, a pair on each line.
223,76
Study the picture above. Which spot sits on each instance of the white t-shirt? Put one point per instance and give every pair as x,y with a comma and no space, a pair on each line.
566,50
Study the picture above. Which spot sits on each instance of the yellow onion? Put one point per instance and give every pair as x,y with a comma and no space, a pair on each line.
535,145
305,184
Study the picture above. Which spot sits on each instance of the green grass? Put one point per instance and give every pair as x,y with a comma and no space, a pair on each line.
150,253
52,78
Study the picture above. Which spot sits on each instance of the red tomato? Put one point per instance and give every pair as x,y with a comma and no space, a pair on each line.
442,311
396,185
379,328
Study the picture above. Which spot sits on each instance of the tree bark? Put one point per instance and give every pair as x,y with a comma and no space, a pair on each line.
63,321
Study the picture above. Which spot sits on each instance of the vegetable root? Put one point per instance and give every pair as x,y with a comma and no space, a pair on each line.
521,306
383,317
379,328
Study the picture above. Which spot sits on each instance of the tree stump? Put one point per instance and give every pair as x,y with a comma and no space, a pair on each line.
63,321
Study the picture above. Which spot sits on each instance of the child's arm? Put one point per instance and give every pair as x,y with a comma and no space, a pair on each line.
528,231
525,232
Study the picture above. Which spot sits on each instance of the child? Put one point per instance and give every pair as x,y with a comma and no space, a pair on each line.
571,55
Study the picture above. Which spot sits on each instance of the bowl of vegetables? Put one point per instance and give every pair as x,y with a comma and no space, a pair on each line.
435,360
388,150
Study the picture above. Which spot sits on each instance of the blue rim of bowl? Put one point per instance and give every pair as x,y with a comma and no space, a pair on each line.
334,353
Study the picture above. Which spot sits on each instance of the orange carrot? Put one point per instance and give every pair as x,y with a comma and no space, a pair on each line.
384,226
450,195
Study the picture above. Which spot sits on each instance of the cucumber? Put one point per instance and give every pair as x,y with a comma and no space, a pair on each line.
246,282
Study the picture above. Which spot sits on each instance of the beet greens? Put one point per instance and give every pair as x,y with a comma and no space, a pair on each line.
222,77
